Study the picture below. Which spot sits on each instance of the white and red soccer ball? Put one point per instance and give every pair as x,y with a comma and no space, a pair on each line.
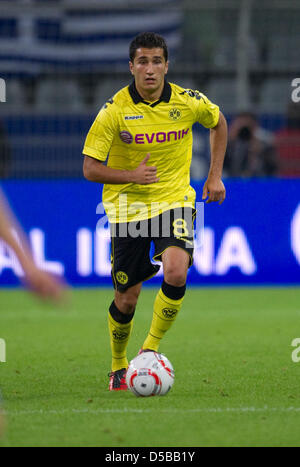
150,374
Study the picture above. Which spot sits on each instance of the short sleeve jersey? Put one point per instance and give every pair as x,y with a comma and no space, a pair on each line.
127,128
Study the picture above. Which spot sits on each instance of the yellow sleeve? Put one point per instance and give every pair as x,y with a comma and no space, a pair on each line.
207,113
102,132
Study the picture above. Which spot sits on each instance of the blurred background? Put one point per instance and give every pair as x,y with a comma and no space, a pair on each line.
62,59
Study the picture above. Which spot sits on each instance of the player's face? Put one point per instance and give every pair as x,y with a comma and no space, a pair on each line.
149,68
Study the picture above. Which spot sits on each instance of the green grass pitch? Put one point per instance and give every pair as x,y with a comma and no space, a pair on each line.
235,381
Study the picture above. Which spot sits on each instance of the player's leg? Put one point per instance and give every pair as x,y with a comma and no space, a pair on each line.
131,266
174,247
169,299
120,323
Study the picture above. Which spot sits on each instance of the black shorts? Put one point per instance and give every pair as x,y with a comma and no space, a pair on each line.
131,243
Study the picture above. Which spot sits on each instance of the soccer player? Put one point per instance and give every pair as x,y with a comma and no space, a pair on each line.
146,132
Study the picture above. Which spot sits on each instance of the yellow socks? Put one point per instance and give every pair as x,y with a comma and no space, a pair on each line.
166,307
120,326
167,304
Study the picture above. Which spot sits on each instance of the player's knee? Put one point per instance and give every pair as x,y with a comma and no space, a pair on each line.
175,276
126,302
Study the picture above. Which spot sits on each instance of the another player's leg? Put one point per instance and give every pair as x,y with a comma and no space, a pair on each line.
120,322
170,296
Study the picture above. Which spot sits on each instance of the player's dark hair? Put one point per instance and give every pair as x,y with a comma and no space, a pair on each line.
149,40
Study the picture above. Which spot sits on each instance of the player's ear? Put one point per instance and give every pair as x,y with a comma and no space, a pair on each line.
166,67
131,67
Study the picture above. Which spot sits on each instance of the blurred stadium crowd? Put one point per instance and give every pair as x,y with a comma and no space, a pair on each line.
62,59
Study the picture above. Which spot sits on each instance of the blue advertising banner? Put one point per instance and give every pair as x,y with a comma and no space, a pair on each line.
252,238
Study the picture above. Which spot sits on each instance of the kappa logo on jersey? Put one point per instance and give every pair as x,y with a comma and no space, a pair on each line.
109,101
122,277
175,114
192,93
126,137
133,117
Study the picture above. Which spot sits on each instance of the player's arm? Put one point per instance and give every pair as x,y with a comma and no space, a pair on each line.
214,188
95,171
7,227
39,281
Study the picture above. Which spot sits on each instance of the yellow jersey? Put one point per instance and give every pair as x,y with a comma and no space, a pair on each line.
128,127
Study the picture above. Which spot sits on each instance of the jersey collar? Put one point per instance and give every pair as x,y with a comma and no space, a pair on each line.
136,97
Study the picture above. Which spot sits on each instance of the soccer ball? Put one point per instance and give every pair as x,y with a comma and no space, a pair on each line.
150,374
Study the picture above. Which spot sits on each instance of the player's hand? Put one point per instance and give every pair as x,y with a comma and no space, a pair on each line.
214,189
43,284
144,174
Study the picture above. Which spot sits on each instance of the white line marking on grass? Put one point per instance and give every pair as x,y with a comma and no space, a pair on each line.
142,411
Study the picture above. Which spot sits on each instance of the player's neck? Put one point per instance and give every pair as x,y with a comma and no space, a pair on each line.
150,96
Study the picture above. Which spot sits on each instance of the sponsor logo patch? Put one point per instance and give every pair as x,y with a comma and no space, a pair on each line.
126,137
160,137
